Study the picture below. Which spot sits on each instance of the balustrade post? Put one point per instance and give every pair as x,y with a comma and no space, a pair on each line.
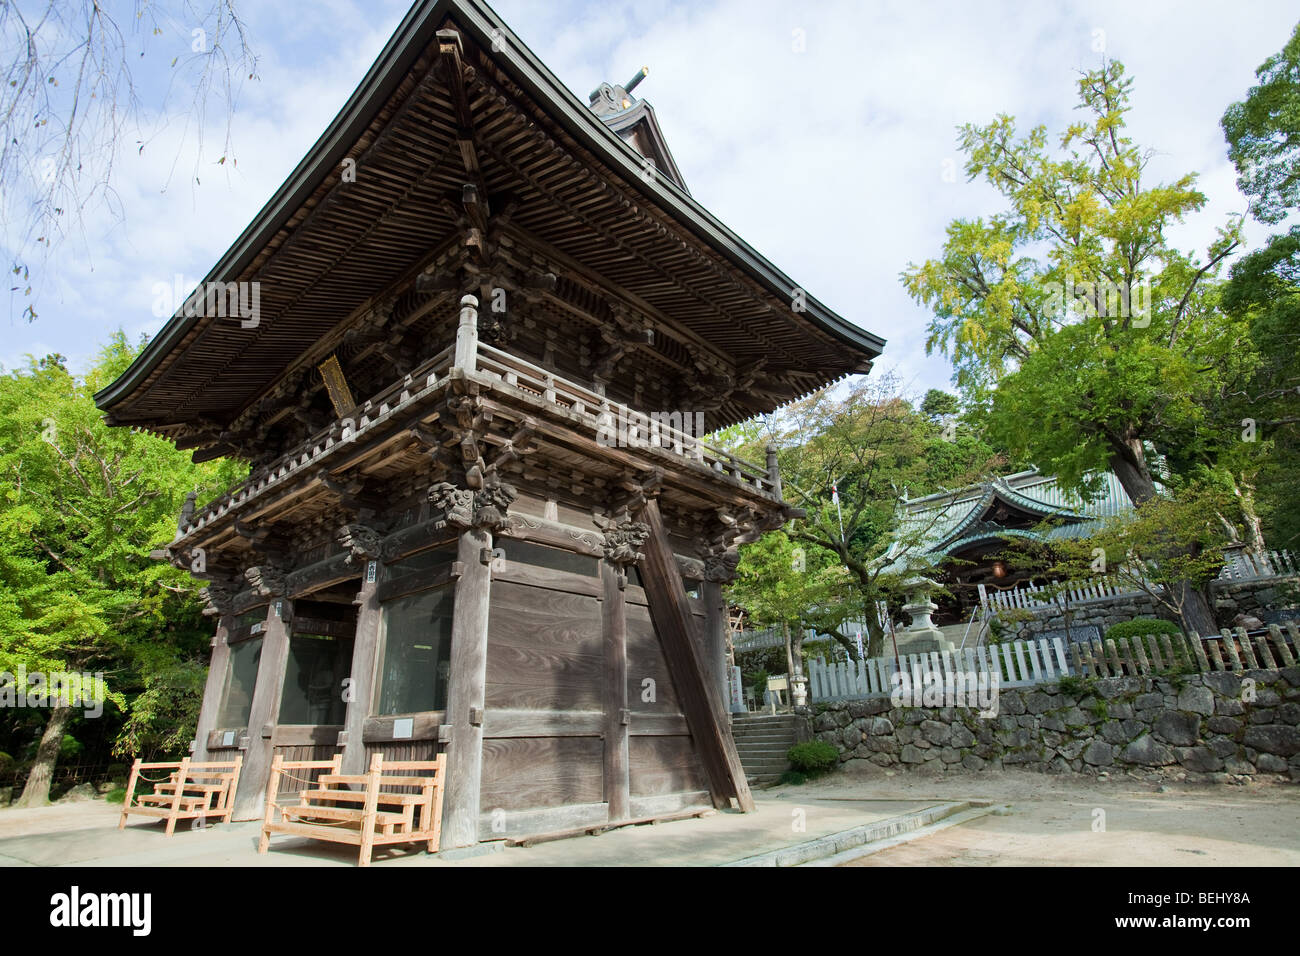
467,335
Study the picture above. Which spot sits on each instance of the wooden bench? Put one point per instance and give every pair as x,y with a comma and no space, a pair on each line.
191,790
364,810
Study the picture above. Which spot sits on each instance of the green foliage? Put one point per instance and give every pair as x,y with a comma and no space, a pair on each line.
793,777
813,757
1141,627
939,404
873,447
82,506
781,583
1262,135
1071,686
1082,382
116,795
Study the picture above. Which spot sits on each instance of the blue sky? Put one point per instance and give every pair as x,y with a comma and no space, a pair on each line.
829,160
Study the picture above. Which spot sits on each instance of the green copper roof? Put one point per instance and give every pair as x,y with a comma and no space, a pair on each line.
946,522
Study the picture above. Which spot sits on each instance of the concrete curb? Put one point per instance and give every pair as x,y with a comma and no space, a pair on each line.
857,837
957,819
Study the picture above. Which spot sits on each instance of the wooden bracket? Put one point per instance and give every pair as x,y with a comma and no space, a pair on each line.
444,733
476,716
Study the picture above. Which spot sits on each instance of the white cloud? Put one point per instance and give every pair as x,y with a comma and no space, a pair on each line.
828,161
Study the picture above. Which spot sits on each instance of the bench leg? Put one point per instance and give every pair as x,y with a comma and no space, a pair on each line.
130,793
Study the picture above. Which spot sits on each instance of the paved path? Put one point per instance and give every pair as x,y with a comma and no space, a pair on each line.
1051,823
87,835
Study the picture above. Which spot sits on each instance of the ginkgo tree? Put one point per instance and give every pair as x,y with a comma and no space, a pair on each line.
1090,340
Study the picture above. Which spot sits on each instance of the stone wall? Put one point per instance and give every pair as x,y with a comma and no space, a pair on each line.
1196,727
1255,596
1101,614
1230,598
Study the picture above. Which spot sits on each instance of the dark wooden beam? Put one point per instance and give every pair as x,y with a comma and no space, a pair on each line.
675,624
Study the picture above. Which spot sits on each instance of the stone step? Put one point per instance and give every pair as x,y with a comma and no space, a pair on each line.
765,735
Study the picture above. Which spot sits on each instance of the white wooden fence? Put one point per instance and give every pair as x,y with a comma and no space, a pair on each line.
1016,664
1244,565
1023,663
1040,597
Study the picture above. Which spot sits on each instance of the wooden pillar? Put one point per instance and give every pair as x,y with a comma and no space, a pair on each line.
250,800
365,652
715,641
465,690
213,689
614,612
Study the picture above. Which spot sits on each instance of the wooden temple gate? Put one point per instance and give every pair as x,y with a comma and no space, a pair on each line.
501,549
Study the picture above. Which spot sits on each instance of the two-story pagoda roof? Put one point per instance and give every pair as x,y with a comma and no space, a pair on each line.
470,158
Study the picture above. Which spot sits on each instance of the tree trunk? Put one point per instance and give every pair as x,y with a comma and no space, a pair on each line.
37,791
1130,466
1195,610
1250,519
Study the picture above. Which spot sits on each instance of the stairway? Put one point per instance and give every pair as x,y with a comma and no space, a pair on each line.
763,740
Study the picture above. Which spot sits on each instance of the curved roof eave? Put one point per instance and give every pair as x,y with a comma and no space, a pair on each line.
412,37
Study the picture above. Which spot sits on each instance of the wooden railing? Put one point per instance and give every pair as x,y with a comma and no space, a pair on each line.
404,392
1024,663
603,416
597,413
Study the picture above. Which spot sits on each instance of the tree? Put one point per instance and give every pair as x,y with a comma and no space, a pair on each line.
1094,343
81,507
782,584
70,100
939,404
1174,538
1263,134
868,448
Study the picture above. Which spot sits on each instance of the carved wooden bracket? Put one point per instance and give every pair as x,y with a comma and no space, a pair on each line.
266,580
486,508
623,542
361,543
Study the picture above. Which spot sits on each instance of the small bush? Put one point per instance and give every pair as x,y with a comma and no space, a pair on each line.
793,777
116,795
1141,627
813,757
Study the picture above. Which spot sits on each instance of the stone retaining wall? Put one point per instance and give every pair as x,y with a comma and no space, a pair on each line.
1196,727
1230,598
